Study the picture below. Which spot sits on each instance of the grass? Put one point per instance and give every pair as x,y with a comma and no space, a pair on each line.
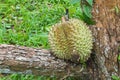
33,77
27,22
26,77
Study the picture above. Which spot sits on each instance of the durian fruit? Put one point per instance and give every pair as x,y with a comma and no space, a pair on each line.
71,40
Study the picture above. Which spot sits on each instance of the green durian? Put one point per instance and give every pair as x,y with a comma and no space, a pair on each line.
71,40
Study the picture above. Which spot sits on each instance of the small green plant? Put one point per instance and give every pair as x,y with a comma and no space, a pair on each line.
119,57
115,77
117,10
86,9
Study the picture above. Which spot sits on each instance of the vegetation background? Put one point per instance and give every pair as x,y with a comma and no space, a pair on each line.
27,23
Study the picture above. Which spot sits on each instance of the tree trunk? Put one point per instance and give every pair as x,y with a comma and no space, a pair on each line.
106,34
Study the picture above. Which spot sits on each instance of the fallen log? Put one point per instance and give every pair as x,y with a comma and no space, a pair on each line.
20,59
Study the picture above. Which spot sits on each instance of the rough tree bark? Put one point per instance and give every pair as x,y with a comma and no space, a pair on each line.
106,34
19,59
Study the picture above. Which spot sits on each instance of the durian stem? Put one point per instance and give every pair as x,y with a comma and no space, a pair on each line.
66,16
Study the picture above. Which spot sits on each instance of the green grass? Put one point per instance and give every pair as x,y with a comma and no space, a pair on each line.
33,77
26,77
27,22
